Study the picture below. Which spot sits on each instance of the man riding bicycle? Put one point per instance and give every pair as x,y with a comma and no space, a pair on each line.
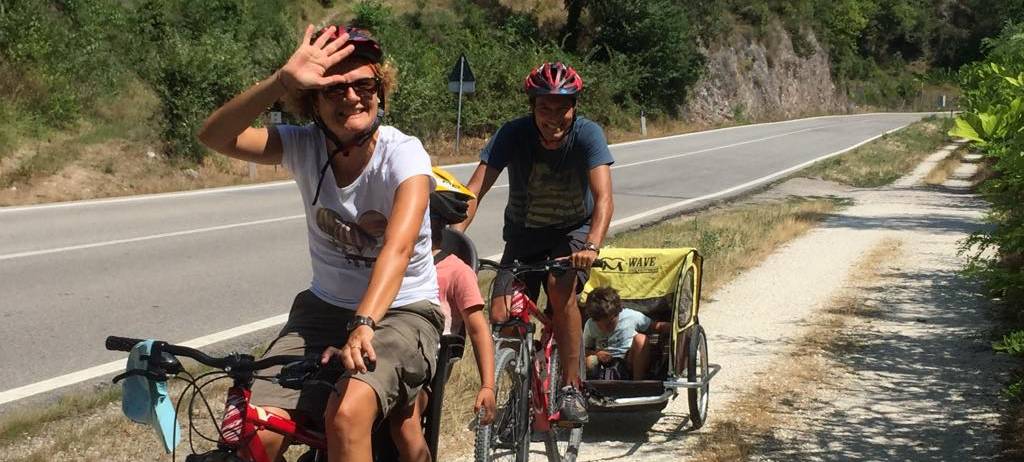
560,205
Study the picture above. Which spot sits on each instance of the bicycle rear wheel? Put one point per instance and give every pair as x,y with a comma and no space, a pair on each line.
562,444
508,437
696,371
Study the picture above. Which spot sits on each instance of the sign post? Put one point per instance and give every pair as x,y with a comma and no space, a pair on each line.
461,81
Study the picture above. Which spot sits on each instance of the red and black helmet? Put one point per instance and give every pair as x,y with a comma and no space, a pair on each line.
553,79
366,46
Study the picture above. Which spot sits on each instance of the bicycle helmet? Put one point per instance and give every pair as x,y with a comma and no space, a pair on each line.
450,199
365,45
553,79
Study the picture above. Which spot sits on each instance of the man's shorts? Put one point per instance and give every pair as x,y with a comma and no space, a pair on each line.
544,245
406,343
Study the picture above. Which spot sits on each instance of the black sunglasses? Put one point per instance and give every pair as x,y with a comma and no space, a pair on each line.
362,87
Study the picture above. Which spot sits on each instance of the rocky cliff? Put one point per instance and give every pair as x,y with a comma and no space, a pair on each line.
753,77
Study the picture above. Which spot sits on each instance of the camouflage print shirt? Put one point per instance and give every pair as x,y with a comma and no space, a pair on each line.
549,190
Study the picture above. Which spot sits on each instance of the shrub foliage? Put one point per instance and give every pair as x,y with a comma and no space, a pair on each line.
60,58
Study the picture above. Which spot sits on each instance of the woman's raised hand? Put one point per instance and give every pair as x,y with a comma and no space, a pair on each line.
310,61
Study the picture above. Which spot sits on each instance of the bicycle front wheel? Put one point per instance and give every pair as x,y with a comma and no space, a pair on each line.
508,437
562,443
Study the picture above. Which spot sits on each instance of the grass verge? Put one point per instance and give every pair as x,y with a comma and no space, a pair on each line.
22,424
883,161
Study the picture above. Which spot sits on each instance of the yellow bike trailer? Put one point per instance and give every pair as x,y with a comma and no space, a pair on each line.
663,284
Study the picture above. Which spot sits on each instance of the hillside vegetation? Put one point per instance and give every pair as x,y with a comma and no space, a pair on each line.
74,73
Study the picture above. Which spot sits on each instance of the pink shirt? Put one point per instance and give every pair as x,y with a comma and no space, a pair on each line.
458,291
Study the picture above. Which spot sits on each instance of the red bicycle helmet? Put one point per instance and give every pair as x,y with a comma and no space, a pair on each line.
366,46
553,79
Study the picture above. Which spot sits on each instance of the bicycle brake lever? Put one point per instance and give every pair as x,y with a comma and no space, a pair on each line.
154,376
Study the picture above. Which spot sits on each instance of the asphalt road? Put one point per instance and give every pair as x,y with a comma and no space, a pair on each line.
184,266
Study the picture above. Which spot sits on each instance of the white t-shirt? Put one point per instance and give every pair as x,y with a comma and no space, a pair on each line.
343,262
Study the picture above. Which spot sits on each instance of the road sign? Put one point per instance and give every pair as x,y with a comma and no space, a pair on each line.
461,79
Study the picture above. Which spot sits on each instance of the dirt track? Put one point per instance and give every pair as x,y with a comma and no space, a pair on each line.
923,384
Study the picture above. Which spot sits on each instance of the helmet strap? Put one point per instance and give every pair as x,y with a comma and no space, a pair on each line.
358,141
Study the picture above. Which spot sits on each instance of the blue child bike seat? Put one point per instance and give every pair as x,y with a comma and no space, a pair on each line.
146,400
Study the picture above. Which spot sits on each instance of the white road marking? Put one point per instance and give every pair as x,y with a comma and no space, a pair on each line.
198,192
764,179
145,197
33,253
218,228
706,150
44,386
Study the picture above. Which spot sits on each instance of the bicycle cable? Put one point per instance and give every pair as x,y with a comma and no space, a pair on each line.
191,405
177,411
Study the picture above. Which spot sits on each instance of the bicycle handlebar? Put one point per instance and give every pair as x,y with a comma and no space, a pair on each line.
233,362
541,266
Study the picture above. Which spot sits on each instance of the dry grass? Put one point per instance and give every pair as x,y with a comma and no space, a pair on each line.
944,169
101,432
883,161
18,424
90,426
798,375
733,240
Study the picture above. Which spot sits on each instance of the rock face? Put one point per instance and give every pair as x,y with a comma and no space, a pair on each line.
751,78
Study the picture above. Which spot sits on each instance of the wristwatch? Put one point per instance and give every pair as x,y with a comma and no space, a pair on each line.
592,246
360,320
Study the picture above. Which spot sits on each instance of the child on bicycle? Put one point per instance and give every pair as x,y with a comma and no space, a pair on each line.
462,305
615,338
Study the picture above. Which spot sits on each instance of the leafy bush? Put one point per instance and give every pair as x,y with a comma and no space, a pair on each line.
993,96
1012,343
656,34
426,44
203,53
68,56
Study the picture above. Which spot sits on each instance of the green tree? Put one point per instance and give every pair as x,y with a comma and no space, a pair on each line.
657,36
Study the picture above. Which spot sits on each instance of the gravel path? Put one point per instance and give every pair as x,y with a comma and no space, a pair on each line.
924,387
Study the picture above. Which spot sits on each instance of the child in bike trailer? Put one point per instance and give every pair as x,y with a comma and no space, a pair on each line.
462,305
560,205
615,338
365,189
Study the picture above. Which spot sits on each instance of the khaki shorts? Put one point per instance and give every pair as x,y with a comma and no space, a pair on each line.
406,343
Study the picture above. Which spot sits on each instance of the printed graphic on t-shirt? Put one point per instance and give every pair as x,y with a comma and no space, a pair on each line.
361,241
554,198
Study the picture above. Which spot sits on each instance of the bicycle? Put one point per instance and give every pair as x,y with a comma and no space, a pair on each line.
237,430
526,383
236,439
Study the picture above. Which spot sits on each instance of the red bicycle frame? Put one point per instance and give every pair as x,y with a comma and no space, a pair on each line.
522,308
242,420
